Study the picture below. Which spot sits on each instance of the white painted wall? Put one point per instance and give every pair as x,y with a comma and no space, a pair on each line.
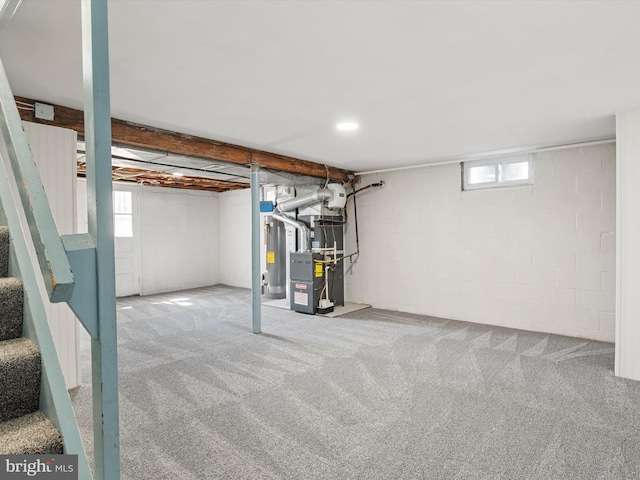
179,236
179,239
538,257
235,238
54,150
628,245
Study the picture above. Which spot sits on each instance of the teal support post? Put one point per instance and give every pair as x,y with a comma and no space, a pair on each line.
256,306
97,121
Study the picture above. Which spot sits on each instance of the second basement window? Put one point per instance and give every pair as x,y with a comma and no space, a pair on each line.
498,172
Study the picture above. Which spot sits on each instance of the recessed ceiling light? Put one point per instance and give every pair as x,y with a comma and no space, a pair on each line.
347,126
178,174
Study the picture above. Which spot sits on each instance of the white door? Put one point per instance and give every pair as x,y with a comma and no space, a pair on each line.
127,239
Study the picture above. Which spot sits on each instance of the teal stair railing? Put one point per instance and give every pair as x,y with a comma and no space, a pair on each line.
77,269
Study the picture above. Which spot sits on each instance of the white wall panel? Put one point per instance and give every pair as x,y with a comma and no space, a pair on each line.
533,257
82,214
235,238
179,239
54,150
628,245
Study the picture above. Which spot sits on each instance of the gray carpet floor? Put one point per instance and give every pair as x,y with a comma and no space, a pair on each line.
372,395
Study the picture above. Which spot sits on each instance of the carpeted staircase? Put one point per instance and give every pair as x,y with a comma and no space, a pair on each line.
24,429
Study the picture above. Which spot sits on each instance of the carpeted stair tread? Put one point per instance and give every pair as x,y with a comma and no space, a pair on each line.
24,430
4,251
11,301
19,378
30,434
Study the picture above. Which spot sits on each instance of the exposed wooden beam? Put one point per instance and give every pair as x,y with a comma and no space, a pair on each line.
142,136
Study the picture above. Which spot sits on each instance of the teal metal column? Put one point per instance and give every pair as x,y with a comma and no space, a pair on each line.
256,306
97,121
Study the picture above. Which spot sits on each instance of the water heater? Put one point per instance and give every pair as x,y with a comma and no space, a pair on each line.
275,282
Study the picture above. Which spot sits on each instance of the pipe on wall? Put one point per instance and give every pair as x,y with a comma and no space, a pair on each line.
303,230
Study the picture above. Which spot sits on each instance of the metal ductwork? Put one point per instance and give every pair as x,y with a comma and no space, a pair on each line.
304,200
334,193
303,230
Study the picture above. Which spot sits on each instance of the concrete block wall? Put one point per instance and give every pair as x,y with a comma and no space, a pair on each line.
178,233
235,238
539,257
179,239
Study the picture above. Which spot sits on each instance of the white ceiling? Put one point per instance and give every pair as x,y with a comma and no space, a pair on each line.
426,80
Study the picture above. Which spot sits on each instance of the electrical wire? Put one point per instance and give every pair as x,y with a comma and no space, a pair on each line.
333,222
195,169
372,185
355,218
327,183
355,212
331,284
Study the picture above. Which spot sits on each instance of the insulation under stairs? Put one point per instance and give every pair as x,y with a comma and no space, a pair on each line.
24,430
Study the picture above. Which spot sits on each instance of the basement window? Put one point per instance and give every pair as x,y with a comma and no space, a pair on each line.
122,214
498,172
